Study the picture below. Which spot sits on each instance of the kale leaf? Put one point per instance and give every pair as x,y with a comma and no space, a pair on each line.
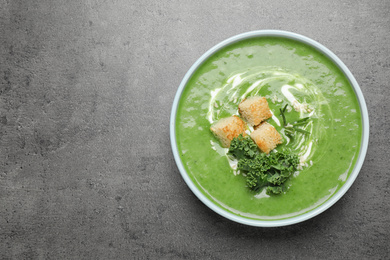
261,170
242,147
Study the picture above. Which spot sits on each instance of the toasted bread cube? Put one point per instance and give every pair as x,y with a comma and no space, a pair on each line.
228,128
254,110
266,137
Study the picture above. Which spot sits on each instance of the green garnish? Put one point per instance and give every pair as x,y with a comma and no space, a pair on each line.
241,148
292,128
282,113
302,121
301,130
261,170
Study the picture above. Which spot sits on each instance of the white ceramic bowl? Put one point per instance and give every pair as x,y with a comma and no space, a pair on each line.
332,200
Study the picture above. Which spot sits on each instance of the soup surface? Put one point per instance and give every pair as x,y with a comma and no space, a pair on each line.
285,72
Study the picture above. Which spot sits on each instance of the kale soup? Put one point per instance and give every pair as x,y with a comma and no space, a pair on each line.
313,108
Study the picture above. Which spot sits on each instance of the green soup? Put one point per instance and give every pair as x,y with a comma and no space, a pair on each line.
285,72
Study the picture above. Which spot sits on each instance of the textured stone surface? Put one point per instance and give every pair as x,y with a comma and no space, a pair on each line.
86,168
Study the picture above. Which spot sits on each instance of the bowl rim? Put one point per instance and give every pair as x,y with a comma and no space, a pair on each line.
313,212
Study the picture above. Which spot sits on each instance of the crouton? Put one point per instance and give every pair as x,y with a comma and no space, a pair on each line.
266,137
254,110
228,128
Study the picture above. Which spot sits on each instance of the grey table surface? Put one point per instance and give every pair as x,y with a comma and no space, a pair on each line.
86,167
